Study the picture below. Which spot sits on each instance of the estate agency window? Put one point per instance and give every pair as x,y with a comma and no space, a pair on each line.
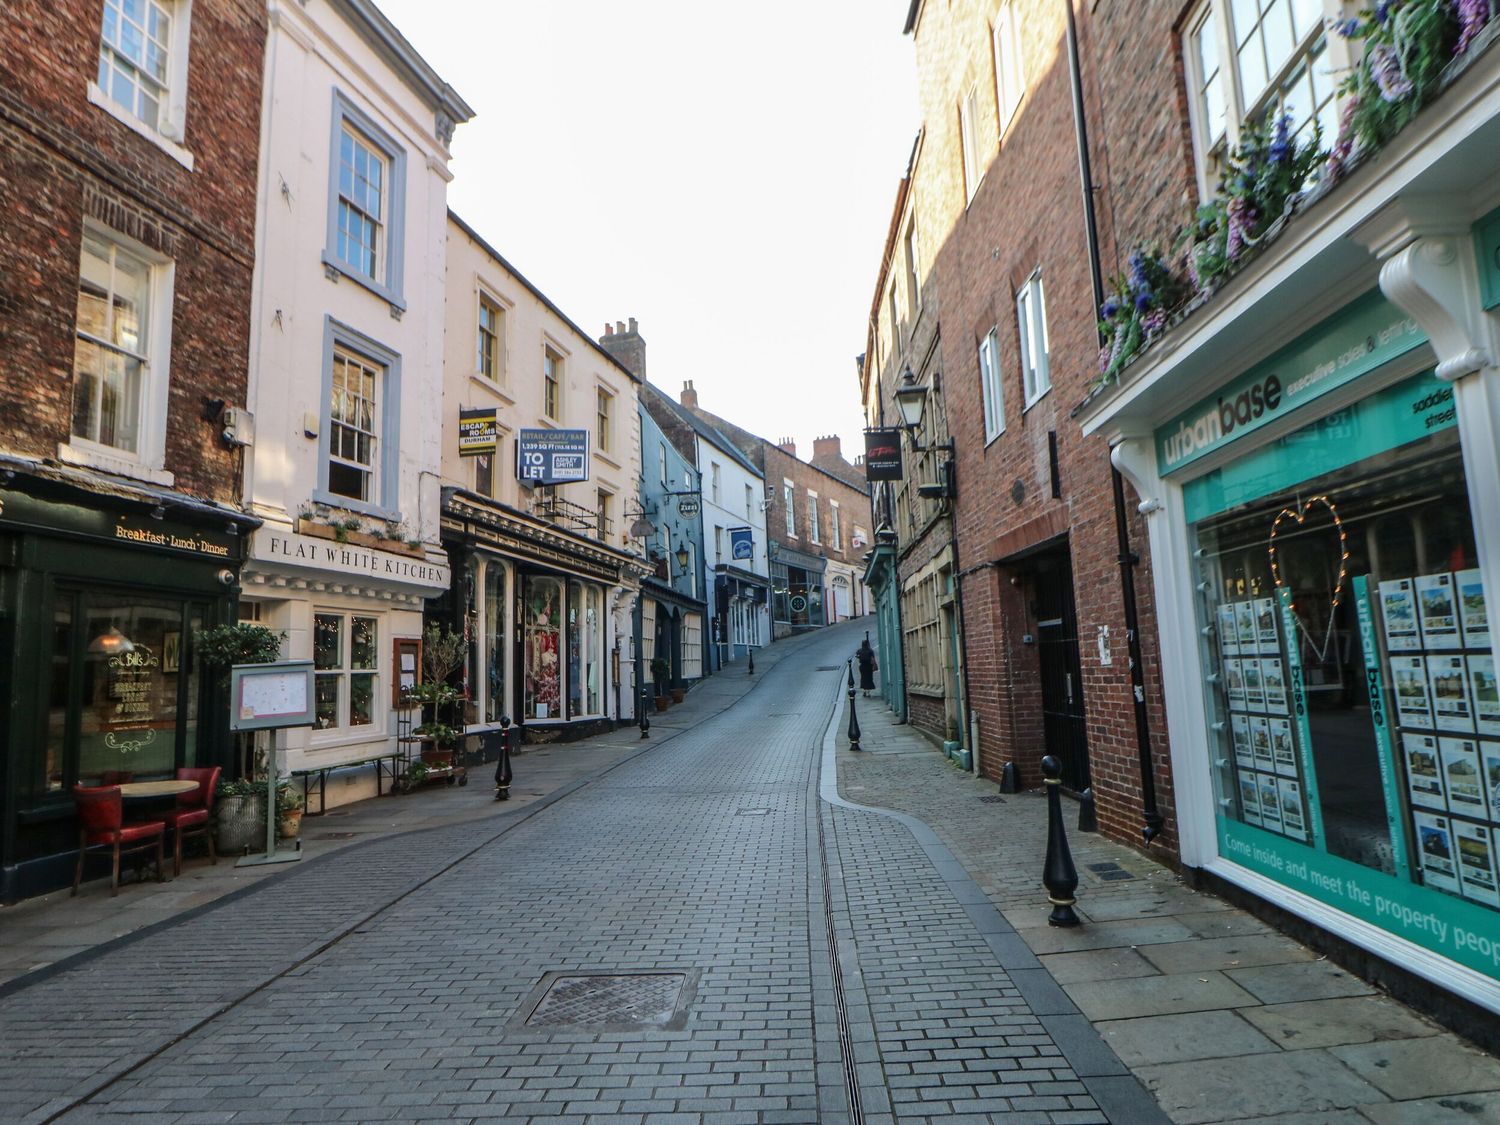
123,695
1355,720
346,657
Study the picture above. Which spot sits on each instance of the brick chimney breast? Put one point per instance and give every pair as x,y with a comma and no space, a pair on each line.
829,446
787,446
689,396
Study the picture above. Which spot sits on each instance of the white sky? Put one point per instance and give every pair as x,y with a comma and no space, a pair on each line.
722,172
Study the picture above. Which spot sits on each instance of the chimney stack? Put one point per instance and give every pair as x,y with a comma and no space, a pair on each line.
787,446
689,397
626,347
829,446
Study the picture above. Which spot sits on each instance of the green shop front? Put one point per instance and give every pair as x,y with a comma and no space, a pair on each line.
1325,535
101,595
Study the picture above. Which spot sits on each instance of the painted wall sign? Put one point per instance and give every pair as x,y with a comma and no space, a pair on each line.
477,431
1487,248
883,454
552,456
139,532
741,543
269,545
1364,335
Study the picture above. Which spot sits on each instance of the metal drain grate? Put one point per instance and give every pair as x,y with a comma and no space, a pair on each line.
752,812
829,668
1110,872
630,1001
334,836
992,799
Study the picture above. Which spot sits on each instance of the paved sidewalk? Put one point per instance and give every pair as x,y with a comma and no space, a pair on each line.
1221,1017
42,932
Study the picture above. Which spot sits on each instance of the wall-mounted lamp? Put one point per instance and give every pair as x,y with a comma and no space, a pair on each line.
683,558
911,400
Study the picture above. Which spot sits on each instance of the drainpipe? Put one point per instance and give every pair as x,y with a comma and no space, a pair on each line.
1151,816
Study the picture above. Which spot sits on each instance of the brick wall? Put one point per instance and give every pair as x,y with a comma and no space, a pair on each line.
63,159
1027,216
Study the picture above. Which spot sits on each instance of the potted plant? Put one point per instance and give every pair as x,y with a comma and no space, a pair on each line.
678,692
239,816
288,811
443,653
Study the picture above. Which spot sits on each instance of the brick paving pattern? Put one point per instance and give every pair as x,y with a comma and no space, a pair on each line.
393,981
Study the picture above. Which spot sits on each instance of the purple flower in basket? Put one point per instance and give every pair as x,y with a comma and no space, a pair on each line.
1348,28
1385,68
1110,307
1281,143
1154,321
1104,359
1345,143
1383,11
1241,215
1472,16
1143,300
1137,270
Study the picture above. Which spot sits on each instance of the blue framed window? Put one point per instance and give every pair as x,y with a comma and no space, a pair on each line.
366,203
359,439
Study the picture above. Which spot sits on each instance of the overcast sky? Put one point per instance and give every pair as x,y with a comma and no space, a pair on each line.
722,172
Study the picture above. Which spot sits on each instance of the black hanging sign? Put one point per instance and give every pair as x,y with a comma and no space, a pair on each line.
883,454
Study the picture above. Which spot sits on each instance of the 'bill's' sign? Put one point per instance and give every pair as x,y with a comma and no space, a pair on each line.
1366,334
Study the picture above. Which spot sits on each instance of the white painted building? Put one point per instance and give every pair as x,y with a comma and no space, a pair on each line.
545,579
346,366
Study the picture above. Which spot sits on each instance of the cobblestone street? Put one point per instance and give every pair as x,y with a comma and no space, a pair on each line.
790,961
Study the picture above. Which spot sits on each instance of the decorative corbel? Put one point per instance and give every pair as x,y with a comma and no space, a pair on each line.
1428,281
1135,458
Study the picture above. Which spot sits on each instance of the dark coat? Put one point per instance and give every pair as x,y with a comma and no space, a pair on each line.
865,655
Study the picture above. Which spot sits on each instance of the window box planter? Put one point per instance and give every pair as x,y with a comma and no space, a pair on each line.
336,534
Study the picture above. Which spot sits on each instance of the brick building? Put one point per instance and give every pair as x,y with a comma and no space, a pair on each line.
1295,411
129,138
817,516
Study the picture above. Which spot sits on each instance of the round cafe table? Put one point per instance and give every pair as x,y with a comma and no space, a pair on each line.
134,789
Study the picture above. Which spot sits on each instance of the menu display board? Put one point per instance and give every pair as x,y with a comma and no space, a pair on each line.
271,696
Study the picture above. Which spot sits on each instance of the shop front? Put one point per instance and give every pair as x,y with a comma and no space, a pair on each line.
741,611
101,597
1319,547
546,612
797,591
885,587
671,629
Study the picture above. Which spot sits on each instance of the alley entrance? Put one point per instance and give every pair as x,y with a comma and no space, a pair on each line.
1063,728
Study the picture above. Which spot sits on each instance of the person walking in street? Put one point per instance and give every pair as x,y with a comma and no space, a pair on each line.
865,655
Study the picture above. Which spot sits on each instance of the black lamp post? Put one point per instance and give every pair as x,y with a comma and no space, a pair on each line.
645,722
853,718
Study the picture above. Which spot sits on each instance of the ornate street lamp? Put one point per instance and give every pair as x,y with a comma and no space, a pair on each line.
683,558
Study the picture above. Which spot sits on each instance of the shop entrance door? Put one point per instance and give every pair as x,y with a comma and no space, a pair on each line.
1063,728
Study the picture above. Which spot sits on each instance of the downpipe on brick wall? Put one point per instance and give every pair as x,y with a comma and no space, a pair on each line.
1151,816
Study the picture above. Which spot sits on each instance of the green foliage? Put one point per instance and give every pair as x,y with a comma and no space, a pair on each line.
288,797
1407,45
660,669
417,772
443,652
440,733
238,787
243,642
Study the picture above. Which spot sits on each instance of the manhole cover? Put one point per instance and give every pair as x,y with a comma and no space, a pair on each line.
1115,876
334,836
1104,867
596,1000
992,799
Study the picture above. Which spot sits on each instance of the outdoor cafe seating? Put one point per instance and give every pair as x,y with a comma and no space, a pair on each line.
101,824
193,813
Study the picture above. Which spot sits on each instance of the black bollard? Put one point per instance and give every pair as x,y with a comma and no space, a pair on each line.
645,722
1088,816
853,718
751,655
1059,875
502,767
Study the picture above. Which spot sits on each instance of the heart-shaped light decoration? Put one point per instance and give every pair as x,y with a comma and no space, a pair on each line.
1300,515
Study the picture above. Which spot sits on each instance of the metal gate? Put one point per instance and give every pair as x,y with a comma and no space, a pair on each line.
1063,726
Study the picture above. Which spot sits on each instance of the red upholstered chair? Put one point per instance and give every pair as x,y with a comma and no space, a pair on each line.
101,824
194,812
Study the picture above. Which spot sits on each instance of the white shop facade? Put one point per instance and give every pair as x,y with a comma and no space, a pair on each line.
343,603
1316,451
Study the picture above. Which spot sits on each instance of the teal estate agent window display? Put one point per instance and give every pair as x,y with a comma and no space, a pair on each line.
1355,722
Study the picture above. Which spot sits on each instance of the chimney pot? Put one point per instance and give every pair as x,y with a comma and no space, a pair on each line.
620,327
632,324
609,329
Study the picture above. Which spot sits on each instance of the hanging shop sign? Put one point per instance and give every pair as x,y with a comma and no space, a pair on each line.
741,543
477,431
1368,333
688,506
552,456
883,453
1487,248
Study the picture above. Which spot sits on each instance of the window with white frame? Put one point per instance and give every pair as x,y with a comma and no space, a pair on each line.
142,61
989,383
1010,80
968,131
361,422
813,531
490,342
551,384
714,478
749,501
124,307
366,197
789,501
692,646
662,462
913,264
604,403
346,666
835,533
605,513
1250,58
484,474
1031,313
718,544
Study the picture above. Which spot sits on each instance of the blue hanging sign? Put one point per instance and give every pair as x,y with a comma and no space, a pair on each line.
741,543
552,456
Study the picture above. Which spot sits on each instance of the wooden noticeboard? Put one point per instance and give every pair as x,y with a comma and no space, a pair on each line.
406,667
